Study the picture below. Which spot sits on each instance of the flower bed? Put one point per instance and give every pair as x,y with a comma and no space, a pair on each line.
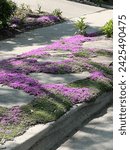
57,100
25,19
51,100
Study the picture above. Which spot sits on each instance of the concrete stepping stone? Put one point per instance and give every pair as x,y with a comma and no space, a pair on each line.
59,78
51,59
99,44
102,59
6,56
12,97
59,53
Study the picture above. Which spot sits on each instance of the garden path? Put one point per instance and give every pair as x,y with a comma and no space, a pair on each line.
10,97
94,16
39,37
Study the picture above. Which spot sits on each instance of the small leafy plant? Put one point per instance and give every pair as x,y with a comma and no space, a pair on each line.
39,10
107,29
57,12
81,26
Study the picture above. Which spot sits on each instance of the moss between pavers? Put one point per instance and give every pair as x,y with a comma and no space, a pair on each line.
106,69
104,53
97,85
91,53
45,109
41,110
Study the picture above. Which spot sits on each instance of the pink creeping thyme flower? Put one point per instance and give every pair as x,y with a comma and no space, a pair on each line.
30,65
42,20
96,75
14,71
73,44
76,95
12,116
47,19
21,81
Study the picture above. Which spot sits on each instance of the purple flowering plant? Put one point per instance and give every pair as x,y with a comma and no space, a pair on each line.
52,100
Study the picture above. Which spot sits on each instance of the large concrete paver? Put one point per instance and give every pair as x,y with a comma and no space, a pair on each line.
102,59
106,44
12,97
96,135
59,78
52,59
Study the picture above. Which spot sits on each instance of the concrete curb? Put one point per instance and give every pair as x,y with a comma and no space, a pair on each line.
54,134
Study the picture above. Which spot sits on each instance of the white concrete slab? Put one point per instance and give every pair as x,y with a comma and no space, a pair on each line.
99,44
12,97
70,9
96,135
59,78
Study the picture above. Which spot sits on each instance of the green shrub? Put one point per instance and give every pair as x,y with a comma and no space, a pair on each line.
81,26
107,29
7,9
99,2
57,12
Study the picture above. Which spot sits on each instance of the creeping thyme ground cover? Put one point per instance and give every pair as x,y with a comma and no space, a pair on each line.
51,100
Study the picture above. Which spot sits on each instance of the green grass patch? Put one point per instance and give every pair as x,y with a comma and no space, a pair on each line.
41,110
9,132
88,53
101,67
100,86
104,53
46,109
85,54
2,110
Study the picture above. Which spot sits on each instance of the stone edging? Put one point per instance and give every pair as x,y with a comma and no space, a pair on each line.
55,133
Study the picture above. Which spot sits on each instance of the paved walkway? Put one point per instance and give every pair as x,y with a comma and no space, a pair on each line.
10,97
70,9
96,135
39,37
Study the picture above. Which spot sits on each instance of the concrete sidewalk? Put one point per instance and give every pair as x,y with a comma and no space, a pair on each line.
96,135
39,37
95,17
70,9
